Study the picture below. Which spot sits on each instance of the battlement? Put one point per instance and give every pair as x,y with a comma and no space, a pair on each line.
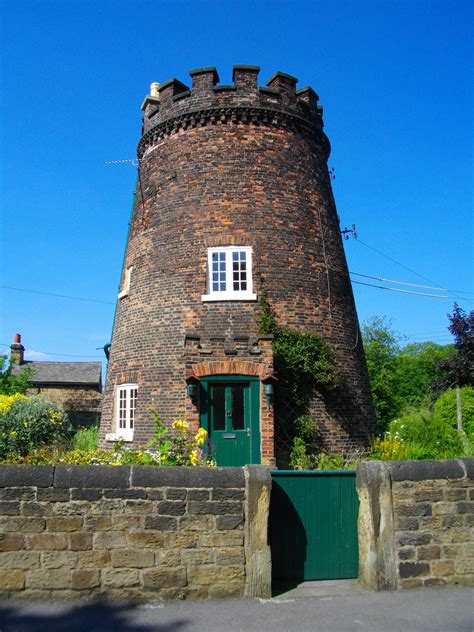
173,98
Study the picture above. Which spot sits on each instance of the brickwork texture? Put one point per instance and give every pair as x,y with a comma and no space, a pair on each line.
416,523
234,165
134,532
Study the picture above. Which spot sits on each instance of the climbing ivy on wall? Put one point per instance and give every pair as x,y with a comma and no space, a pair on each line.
301,357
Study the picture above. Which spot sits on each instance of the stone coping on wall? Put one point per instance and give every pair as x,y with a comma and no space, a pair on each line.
416,523
134,531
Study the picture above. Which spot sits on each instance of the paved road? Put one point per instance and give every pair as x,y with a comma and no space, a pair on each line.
430,610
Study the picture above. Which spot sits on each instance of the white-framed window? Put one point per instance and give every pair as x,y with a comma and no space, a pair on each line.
125,406
126,283
229,274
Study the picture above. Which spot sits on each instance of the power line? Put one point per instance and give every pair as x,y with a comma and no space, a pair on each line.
395,261
426,287
64,355
393,289
74,298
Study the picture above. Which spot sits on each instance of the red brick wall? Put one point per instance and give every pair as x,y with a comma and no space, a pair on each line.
244,166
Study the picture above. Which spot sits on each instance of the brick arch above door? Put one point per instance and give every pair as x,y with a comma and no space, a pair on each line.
230,367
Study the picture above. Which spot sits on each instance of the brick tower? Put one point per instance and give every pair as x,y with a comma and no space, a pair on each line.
233,188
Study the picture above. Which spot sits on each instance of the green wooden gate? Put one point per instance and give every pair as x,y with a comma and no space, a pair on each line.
313,525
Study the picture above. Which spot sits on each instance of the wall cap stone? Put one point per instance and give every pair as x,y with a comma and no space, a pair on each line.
26,475
95,476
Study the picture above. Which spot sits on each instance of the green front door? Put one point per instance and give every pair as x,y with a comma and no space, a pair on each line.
230,414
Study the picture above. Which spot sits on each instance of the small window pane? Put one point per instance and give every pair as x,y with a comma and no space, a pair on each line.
215,256
238,422
215,287
218,407
235,256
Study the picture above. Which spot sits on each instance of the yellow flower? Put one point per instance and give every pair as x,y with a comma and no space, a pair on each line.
180,424
201,436
194,457
25,423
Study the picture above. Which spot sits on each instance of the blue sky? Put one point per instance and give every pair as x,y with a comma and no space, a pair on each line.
395,80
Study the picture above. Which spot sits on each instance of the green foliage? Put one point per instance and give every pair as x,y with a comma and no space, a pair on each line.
299,460
400,378
10,383
425,436
331,462
301,358
28,423
445,409
86,439
175,446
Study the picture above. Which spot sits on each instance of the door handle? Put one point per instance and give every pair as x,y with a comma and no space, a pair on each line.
248,432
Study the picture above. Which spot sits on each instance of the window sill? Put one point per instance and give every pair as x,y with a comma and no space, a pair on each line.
228,296
123,294
115,436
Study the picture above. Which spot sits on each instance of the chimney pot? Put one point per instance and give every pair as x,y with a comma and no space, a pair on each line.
17,338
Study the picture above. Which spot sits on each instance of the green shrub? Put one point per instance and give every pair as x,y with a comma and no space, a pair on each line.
29,423
445,409
86,439
425,436
299,460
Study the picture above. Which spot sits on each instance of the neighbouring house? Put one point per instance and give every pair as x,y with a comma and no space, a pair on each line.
233,202
76,387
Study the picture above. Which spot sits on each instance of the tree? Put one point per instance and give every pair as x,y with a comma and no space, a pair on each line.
11,383
458,369
381,348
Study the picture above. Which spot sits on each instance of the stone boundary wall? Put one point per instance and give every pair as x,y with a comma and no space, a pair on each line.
416,523
134,532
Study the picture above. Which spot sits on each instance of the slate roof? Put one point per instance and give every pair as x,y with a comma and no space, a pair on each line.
63,372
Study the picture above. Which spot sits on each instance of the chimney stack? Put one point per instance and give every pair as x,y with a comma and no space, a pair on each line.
17,350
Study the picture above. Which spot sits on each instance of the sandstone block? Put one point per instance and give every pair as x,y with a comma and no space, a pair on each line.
211,574
228,494
171,508
181,540
166,558
20,560
454,494
31,508
221,538
464,566
13,580
442,568
47,541
407,553
440,509
227,590
47,578
176,493
138,506
413,569
64,523
9,507
11,542
145,539
21,524
132,558
98,523
197,523
198,494
120,577
159,578
80,541
431,552
17,493
195,557
85,578
109,540
125,523
59,559
233,555
161,523
93,559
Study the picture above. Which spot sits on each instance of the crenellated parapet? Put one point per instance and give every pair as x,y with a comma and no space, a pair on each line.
172,105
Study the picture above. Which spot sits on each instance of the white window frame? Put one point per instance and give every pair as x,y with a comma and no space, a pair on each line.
124,413
229,294
126,283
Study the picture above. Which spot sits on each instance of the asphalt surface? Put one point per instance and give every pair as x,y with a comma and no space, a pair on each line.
430,610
